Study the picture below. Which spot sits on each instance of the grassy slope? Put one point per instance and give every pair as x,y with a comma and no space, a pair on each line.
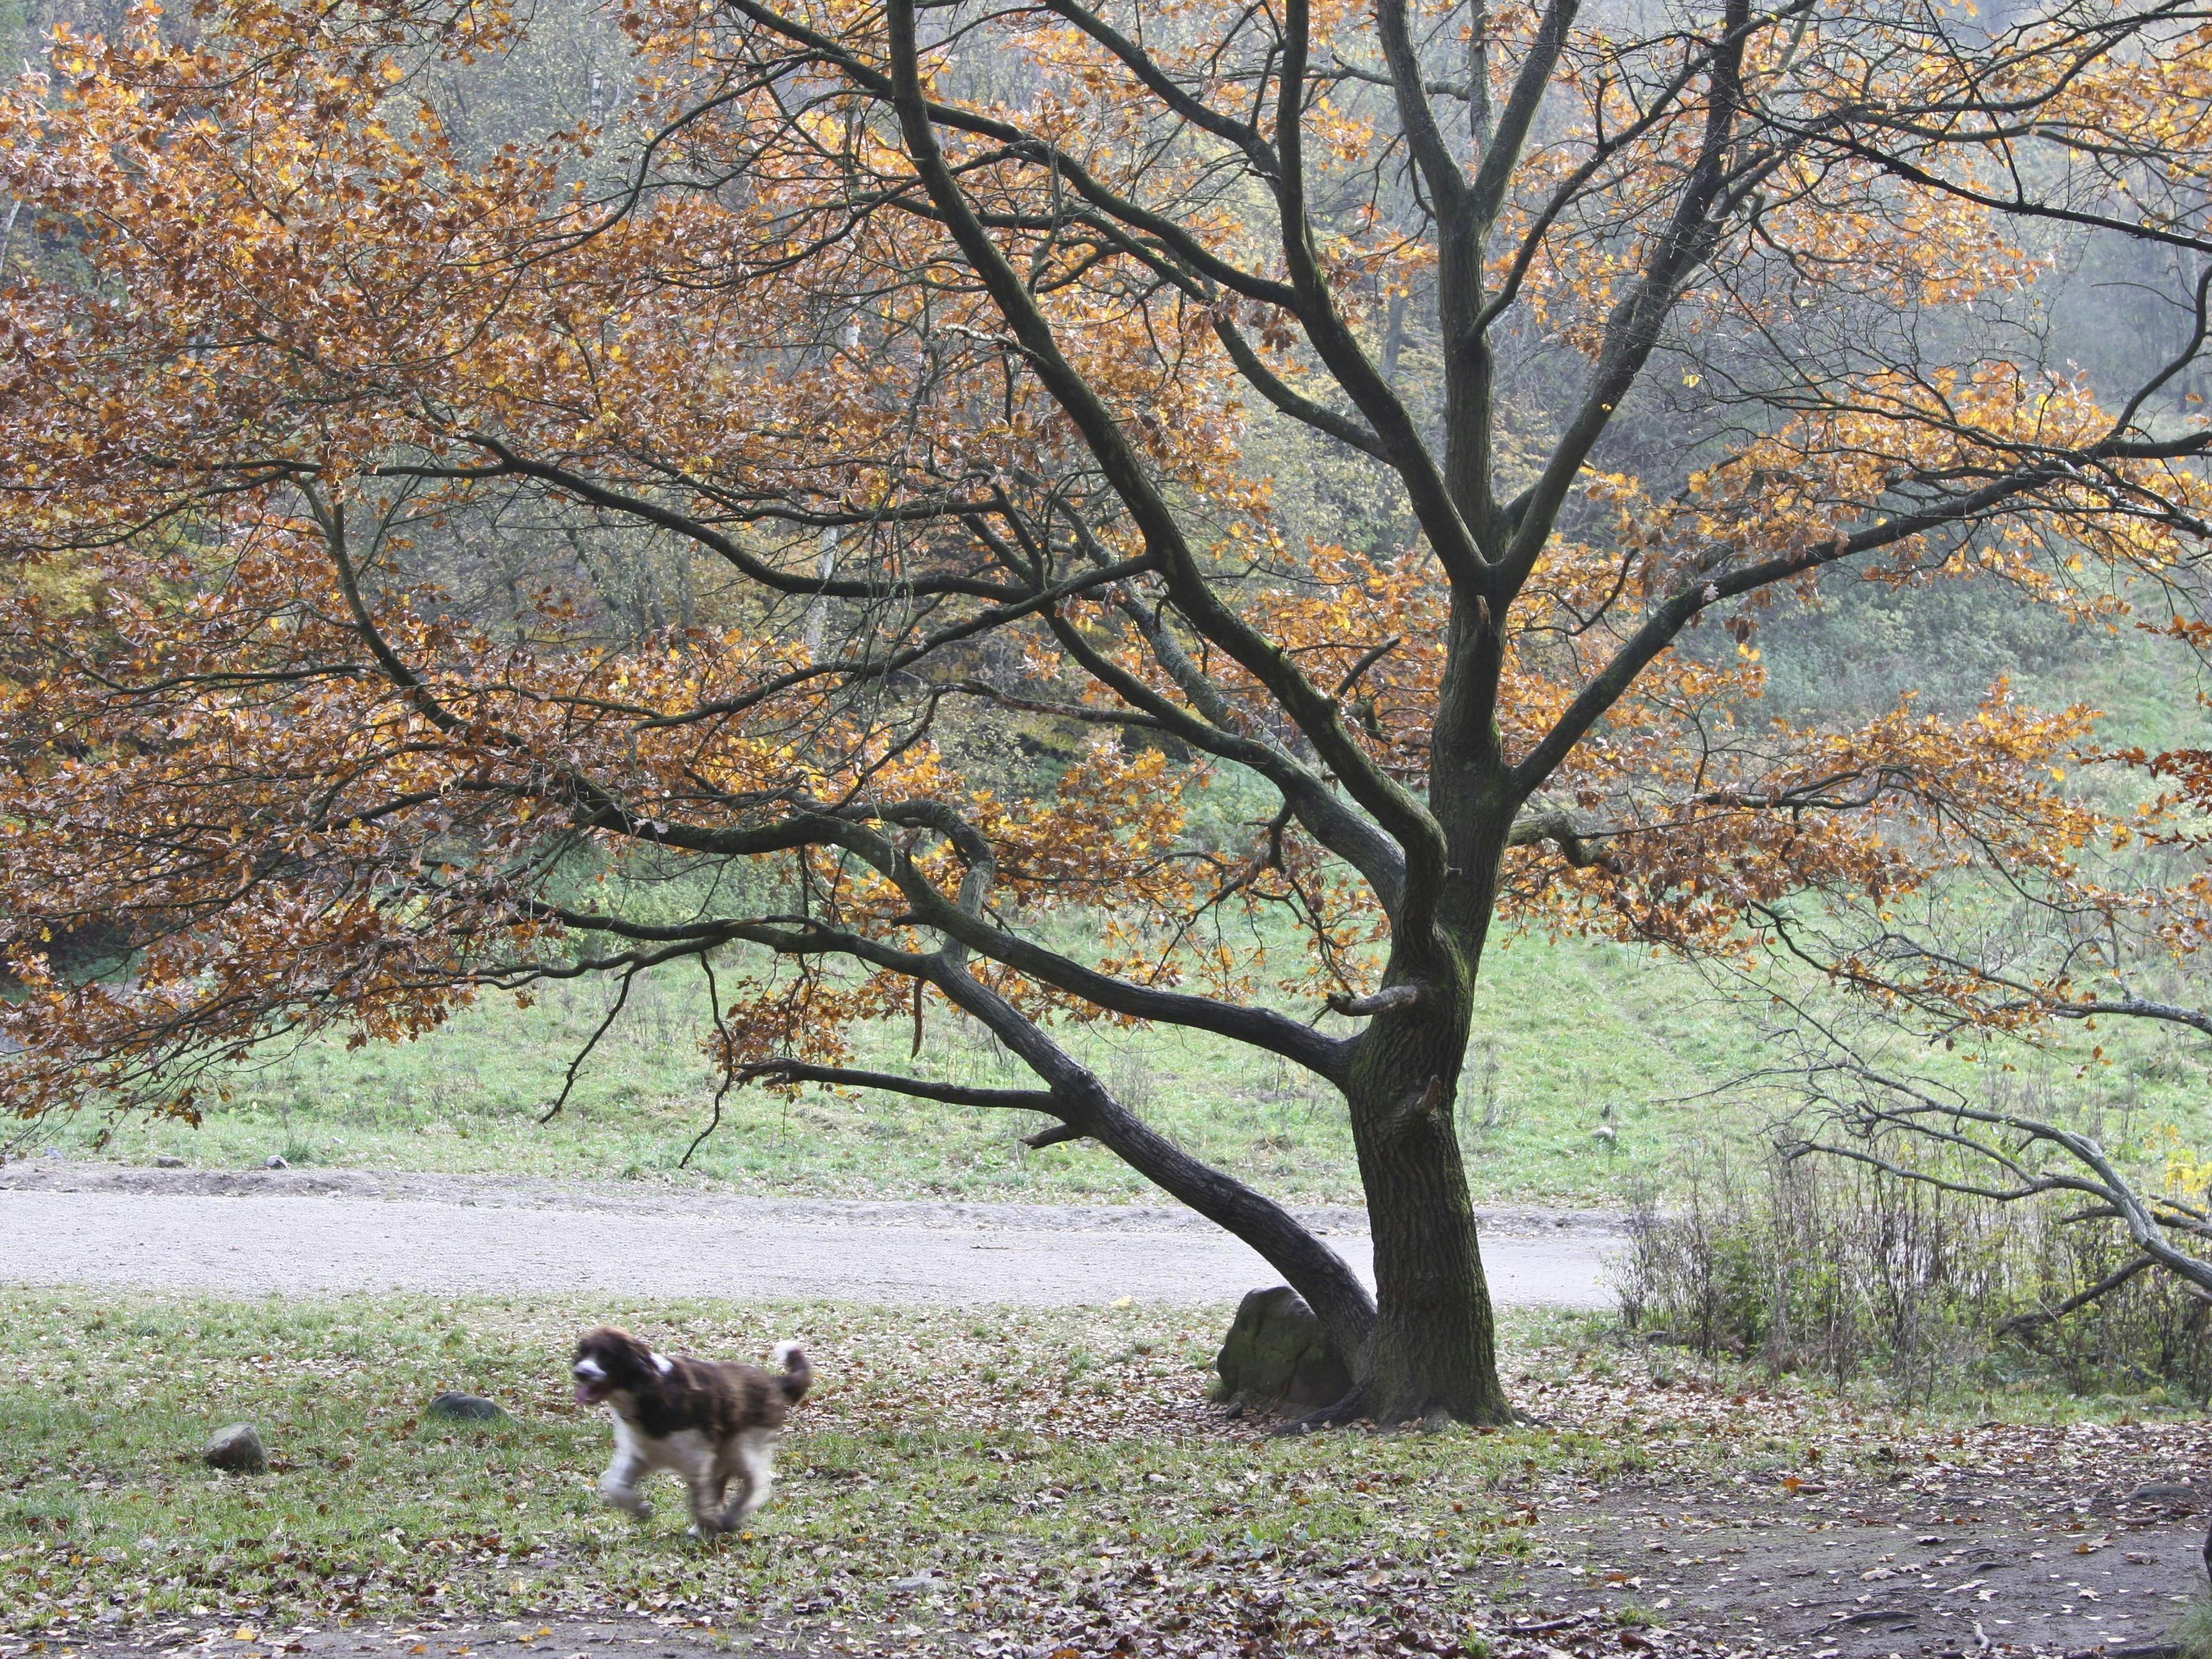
1571,1035
1568,1032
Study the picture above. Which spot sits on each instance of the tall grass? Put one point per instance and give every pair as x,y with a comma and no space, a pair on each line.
1836,1268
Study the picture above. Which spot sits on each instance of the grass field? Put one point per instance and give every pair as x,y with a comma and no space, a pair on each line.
1572,1037
973,1471
975,1450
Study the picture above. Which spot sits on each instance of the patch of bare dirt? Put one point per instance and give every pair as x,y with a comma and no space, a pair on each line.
2008,1540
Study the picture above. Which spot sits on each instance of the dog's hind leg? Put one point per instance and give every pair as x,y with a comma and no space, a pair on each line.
756,1475
707,1516
738,1475
619,1485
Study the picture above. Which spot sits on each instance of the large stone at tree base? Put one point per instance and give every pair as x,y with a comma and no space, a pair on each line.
1276,1357
469,1407
237,1448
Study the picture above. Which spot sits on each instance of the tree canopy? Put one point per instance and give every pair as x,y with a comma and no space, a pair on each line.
933,343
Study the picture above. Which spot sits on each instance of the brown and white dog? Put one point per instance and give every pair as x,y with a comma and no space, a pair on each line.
714,1424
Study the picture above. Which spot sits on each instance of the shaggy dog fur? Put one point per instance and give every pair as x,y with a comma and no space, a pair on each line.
714,1424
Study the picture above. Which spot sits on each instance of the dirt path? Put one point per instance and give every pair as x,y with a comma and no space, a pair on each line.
1956,1560
315,1233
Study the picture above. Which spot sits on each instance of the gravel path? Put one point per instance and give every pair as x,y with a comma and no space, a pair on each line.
318,1233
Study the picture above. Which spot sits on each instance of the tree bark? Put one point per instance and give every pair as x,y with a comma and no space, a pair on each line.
1435,1347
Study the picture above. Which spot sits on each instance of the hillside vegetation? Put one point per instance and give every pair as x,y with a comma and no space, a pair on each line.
1656,1056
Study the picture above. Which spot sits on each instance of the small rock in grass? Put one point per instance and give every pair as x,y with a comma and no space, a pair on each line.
469,1407
237,1448
169,1161
2163,1491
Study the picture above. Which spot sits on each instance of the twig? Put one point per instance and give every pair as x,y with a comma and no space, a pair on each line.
729,1068
584,1053
1864,1616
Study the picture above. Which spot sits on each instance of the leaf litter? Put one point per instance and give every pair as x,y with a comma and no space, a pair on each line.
1034,1484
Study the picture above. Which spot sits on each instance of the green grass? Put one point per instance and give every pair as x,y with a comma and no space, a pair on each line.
954,1471
1004,1448
2192,1632
1570,1037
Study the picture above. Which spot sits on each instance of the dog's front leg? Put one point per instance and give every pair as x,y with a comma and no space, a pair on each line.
696,1464
619,1485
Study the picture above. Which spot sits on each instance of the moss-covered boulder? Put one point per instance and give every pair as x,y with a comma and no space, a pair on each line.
1275,1357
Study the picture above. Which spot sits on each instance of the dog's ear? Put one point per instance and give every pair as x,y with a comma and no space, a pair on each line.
619,1356
623,1356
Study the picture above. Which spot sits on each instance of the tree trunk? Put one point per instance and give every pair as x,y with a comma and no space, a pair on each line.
1435,1347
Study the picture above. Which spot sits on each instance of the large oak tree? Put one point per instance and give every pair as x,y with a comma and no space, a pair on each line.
941,332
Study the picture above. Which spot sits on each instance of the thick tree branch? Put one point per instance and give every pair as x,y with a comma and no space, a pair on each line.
1631,331
1393,806
848,1077
1416,120
1175,237
726,548
1558,827
1502,154
2169,1013
1390,998
1271,385
1263,1028
1668,618
2022,1324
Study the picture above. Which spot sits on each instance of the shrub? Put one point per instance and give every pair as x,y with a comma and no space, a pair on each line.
1813,1264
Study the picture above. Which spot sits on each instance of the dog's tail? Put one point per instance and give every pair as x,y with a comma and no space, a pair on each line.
798,1375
